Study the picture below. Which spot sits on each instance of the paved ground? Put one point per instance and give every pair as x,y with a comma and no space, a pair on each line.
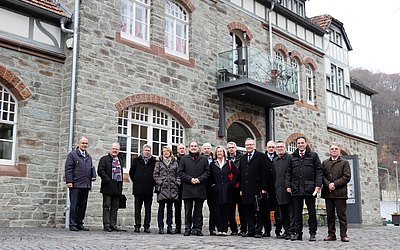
384,237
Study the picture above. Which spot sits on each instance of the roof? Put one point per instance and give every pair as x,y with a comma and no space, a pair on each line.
361,86
46,5
325,22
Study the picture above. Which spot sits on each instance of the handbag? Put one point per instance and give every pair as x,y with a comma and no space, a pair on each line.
122,201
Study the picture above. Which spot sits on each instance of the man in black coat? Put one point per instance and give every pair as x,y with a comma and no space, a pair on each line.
79,174
270,202
141,174
253,186
178,204
194,171
284,200
304,181
234,156
111,174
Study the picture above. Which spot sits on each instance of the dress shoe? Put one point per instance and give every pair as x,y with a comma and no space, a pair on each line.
169,230
234,233
241,233
177,231
257,236
147,230
266,234
224,234
330,238
212,232
248,235
199,233
82,228
161,231
287,237
137,230
296,237
117,229
344,239
312,237
187,233
281,236
107,229
72,228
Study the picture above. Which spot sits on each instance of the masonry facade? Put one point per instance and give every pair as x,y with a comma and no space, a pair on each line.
155,77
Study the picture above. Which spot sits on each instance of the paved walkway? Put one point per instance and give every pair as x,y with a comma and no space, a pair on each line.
383,237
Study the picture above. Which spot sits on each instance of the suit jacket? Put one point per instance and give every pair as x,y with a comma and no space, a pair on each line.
281,164
222,186
141,175
253,176
339,173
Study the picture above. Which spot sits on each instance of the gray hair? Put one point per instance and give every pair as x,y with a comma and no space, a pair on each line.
146,146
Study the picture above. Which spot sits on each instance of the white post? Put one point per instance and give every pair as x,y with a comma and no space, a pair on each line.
397,186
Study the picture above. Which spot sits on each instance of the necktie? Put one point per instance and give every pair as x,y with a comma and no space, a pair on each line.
301,155
249,157
83,154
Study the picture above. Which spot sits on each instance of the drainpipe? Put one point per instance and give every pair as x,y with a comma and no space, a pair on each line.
271,56
72,95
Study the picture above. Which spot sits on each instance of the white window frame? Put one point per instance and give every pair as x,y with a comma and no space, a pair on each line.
340,81
291,147
178,16
129,20
5,118
150,117
296,67
310,84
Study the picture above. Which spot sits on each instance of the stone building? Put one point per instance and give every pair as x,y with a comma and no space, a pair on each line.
162,72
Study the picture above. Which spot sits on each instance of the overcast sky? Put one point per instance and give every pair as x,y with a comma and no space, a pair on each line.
373,28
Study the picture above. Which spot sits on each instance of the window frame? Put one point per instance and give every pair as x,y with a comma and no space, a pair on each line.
310,84
4,89
145,4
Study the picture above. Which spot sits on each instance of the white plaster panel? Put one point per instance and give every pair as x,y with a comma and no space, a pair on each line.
248,5
39,36
14,23
281,21
309,37
260,10
291,27
237,2
301,32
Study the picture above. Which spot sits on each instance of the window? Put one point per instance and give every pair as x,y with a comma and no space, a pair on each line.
310,84
336,81
291,147
335,37
296,76
238,132
135,20
333,78
8,118
340,81
279,60
141,125
176,29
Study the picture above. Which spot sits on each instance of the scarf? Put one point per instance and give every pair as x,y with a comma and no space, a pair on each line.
166,161
116,170
194,155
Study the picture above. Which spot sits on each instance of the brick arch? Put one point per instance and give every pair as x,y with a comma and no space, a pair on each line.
187,4
242,27
282,48
17,87
310,62
160,101
296,135
296,55
248,119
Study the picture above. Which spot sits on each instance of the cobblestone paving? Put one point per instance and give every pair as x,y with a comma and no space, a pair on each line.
384,237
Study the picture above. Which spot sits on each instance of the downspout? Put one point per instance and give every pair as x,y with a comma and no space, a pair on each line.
72,95
269,112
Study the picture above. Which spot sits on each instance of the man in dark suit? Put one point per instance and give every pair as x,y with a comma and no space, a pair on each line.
110,172
141,174
194,171
253,186
304,181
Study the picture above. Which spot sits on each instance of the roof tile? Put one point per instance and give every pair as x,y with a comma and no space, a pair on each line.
47,5
323,21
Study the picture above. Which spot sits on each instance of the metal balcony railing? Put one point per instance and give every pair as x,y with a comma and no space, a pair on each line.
251,63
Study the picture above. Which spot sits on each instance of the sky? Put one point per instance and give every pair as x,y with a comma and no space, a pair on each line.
373,29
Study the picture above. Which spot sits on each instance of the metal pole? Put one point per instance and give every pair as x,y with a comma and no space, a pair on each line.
397,186
72,101
388,187
270,35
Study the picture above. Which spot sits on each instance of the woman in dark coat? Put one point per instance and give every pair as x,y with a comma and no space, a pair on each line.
223,177
167,187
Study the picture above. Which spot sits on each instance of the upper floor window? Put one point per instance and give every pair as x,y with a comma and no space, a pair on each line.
296,75
336,81
8,118
335,37
142,125
135,15
294,5
176,29
310,84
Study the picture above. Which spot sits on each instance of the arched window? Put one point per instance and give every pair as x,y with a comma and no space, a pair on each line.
310,84
8,119
176,29
140,125
296,76
291,147
238,132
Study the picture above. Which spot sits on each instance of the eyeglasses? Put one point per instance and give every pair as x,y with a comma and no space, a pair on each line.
334,149
231,147
248,145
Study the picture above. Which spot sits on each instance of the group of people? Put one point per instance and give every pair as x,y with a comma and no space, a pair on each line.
253,183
